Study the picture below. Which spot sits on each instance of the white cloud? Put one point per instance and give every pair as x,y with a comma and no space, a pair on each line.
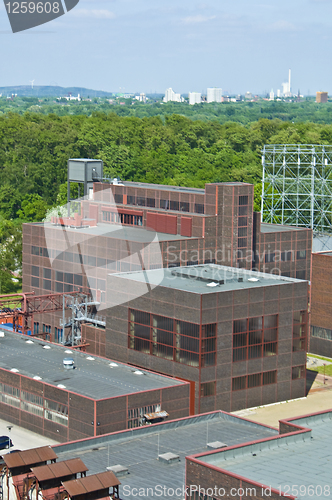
96,14
197,19
283,25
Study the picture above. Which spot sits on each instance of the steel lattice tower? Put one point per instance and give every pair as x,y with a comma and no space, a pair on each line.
297,186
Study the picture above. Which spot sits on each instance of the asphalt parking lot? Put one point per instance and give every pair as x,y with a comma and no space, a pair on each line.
22,439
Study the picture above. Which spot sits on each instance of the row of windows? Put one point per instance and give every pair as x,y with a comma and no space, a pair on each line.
132,220
34,404
299,330
321,333
254,380
285,256
178,206
172,339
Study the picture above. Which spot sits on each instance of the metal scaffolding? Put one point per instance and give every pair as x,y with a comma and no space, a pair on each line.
297,186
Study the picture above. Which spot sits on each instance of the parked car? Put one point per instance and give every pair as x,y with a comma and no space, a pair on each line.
5,442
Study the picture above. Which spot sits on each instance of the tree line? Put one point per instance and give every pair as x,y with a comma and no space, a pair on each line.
175,150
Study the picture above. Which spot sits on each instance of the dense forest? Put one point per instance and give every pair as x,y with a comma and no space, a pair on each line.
170,149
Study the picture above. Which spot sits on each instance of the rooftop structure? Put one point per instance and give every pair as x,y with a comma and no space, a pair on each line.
294,464
297,186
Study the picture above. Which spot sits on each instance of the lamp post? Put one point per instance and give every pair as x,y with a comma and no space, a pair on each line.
9,427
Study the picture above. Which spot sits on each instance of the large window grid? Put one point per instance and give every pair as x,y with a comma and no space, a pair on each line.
254,380
255,337
34,404
172,339
299,330
321,333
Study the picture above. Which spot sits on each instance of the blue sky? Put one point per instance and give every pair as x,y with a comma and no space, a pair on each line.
149,45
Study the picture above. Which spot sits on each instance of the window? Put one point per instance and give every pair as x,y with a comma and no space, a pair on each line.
299,330
287,255
321,333
172,339
254,380
300,275
47,285
184,207
136,415
301,254
164,204
242,231
243,200
208,389
270,257
131,200
174,205
35,270
118,198
255,337
34,282
199,208
298,372
242,221
140,201
150,202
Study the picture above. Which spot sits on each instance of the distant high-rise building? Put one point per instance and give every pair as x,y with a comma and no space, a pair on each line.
271,98
172,96
195,98
286,86
214,94
321,97
248,95
278,93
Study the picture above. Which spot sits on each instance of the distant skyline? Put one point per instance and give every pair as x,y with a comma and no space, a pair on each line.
149,46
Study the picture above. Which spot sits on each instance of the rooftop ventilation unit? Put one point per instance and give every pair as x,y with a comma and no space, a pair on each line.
68,363
118,470
216,445
169,458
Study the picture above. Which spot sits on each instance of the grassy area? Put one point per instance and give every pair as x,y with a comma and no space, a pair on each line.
320,369
319,357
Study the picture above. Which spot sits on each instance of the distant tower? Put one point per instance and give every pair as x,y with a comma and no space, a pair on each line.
271,95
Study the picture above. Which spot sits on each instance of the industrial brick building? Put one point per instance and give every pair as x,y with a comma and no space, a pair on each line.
238,336
133,226
321,304
38,392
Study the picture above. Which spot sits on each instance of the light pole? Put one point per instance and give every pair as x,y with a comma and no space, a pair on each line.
9,427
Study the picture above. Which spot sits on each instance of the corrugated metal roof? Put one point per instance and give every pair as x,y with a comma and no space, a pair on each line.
156,414
91,483
59,469
29,457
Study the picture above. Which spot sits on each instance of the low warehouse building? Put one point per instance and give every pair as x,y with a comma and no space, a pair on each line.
39,392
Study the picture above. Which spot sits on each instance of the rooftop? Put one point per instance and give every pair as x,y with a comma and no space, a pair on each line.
94,377
279,228
206,278
116,231
298,459
163,187
138,449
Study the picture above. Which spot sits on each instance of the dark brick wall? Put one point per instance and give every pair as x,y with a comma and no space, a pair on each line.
321,302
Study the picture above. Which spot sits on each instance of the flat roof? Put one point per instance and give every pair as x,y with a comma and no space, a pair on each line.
302,459
206,278
93,377
279,228
138,449
117,231
162,187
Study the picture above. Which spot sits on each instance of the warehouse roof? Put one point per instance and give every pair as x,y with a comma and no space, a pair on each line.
138,449
277,228
299,459
205,278
96,378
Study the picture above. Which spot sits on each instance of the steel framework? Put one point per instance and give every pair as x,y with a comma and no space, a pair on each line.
297,186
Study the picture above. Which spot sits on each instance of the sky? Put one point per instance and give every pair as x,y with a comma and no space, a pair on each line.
149,45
